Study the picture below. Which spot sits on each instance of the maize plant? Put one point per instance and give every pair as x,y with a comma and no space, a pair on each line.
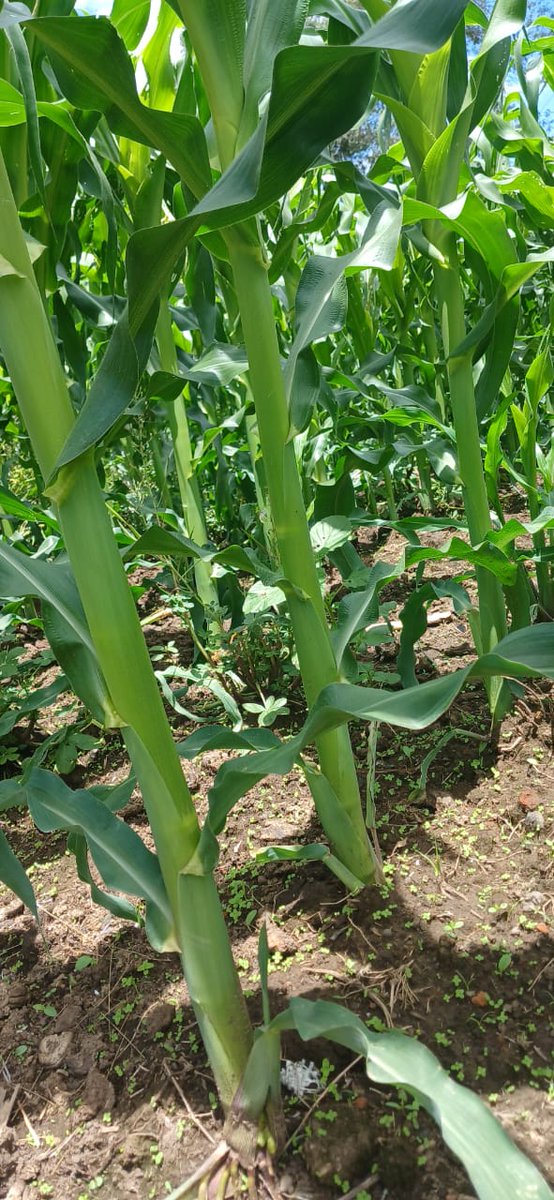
254,108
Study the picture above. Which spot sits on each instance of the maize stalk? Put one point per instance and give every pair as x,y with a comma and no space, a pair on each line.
342,820
32,360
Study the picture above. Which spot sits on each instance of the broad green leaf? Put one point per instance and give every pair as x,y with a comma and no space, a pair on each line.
514,528
220,364
459,550
116,905
58,114
487,234
262,597
353,19
13,13
411,399
494,1164
414,621
330,533
321,299
321,302
158,541
539,378
417,139
21,575
80,47
428,93
417,26
357,609
14,876
217,30
271,28
25,70
485,555
532,189
305,387
316,852
13,507
130,18
506,20
113,386
438,180
156,59
12,108
513,278
216,737
457,71
65,623
124,862
469,218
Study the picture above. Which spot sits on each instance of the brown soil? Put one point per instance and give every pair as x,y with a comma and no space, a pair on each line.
105,1089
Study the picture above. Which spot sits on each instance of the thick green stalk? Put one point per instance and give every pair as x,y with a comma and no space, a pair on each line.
345,826
32,360
492,610
315,652
212,983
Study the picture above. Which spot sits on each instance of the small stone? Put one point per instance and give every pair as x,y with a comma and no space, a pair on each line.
279,831
17,995
532,902
528,799
534,821
157,1018
53,1049
279,939
80,1064
99,1095
68,1018
286,1185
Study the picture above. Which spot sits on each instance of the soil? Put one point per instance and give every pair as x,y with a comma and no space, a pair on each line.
105,1089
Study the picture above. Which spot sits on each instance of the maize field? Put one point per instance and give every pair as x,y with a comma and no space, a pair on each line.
276,599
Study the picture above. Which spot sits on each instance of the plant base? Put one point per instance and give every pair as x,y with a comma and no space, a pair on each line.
223,1177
